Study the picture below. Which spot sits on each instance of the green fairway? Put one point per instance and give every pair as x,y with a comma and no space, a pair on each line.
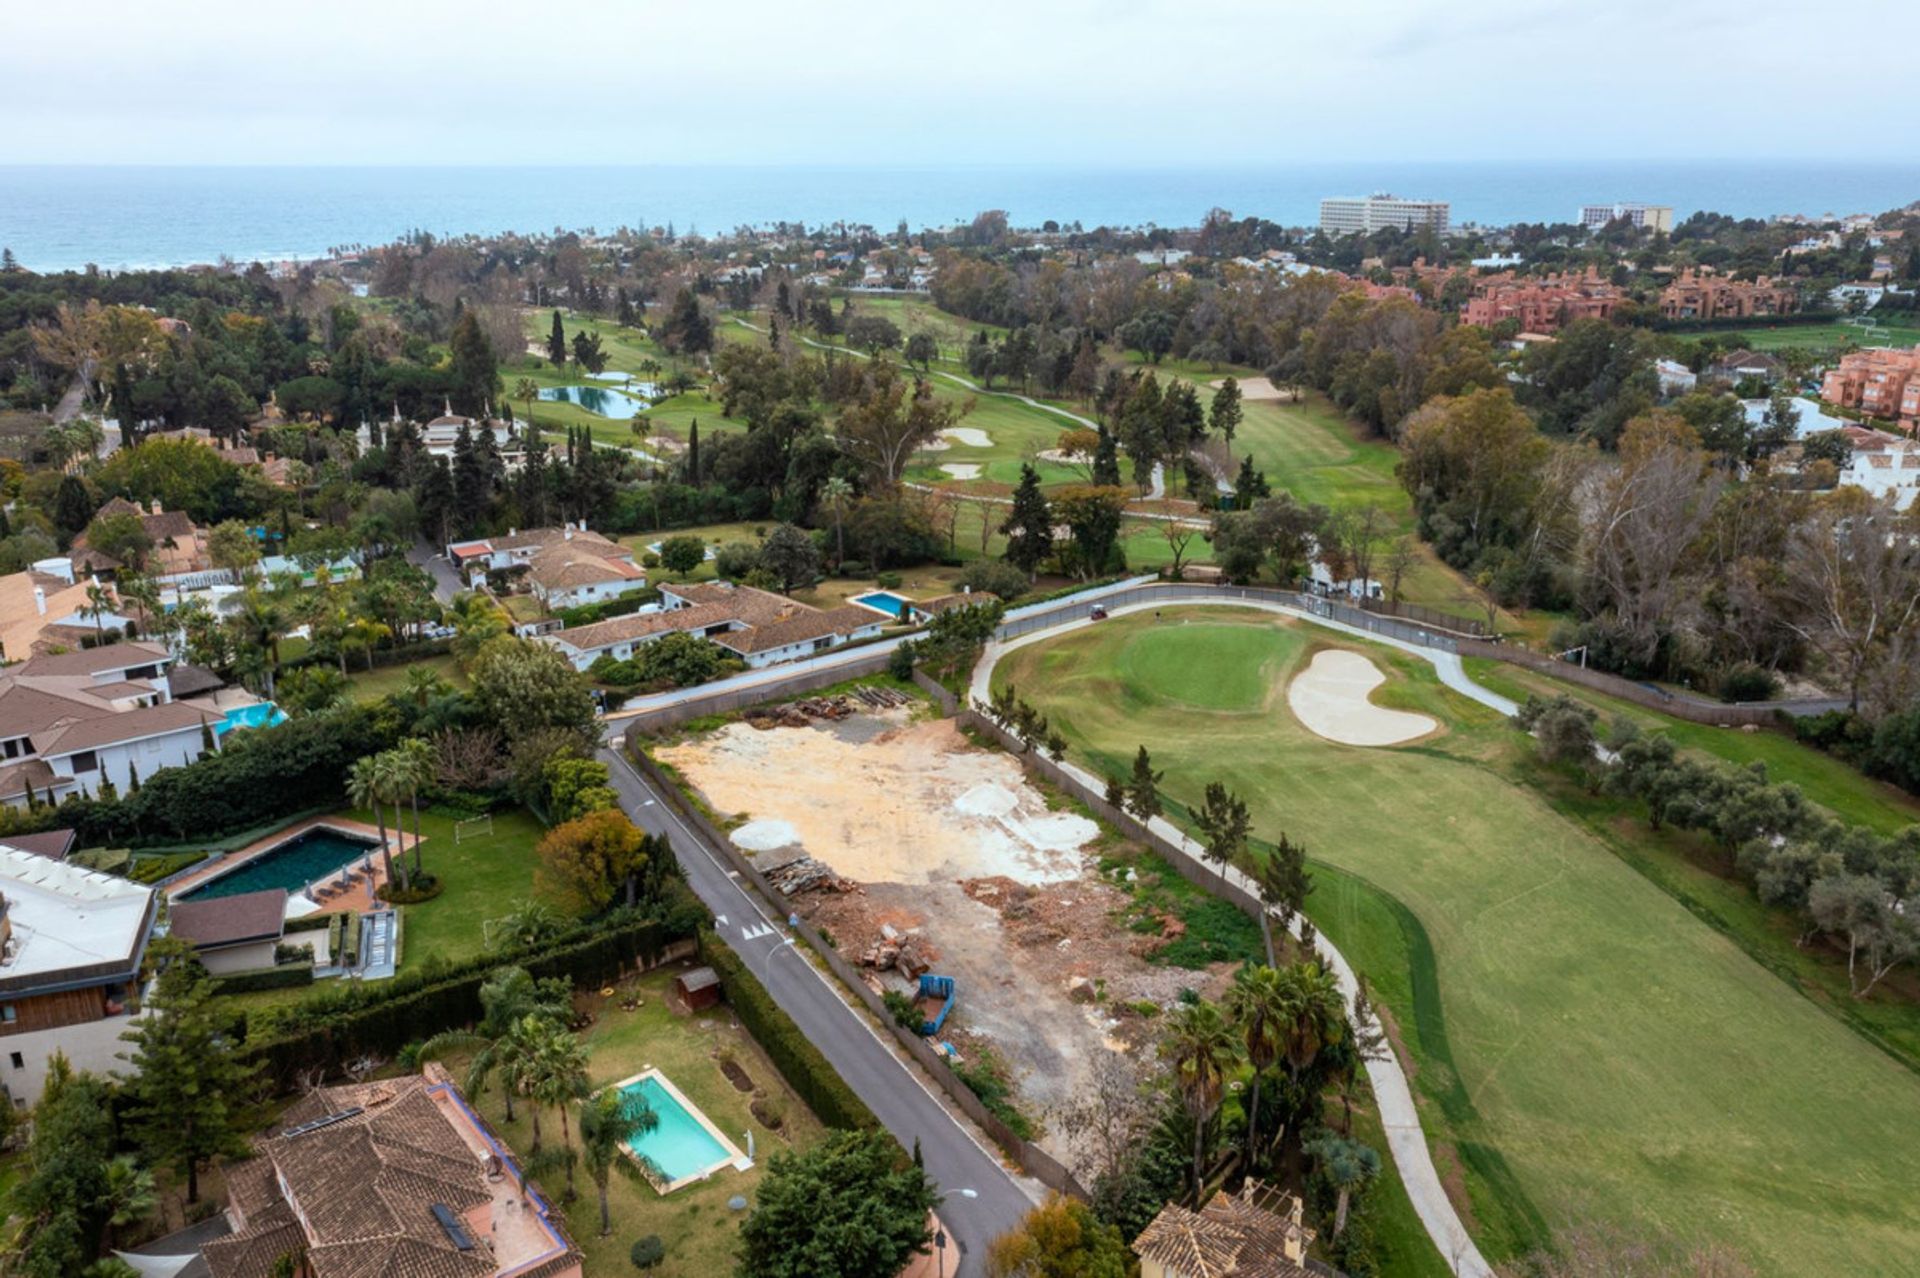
1584,1048
1313,451
1823,336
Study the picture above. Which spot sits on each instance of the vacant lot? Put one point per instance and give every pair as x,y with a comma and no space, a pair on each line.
1045,924
1584,1047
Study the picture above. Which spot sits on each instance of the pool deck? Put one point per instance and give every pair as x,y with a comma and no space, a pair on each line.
735,1159
359,896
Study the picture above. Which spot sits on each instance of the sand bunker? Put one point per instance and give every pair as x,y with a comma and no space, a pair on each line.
1257,389
913,805
967,437
962,470
1064,459
1330,698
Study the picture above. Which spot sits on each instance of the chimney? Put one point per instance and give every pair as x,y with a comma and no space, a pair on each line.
40,600
156,506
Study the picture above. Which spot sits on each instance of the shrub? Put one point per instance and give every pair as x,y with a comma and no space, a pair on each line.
647,1252
851,568
151,869
312,923
424,887
735,559
284,953
905,1013
280,977
1746,681
650,560
995,576
887,580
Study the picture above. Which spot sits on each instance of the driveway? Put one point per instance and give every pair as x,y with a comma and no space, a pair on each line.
446,582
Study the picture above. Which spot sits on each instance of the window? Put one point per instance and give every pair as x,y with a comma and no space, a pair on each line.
8,1014
86,761
153,746
18,1062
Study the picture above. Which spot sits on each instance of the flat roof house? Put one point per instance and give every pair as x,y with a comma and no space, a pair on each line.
76,720
71,945
759,627
393,1177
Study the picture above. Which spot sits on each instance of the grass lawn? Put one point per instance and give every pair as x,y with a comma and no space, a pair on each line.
1312,450
1585,1047
1823,336
694,1222
381,681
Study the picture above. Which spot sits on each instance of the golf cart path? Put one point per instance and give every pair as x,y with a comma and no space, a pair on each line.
1406,1140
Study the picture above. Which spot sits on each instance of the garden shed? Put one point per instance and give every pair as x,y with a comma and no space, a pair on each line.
698,987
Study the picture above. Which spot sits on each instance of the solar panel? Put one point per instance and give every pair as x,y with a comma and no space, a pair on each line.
352,1111
455,1231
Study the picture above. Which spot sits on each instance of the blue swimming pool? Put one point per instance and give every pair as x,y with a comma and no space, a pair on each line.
680,1145
895,606
603,400
263,714
310,855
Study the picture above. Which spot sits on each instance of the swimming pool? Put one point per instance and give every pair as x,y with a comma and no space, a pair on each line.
261,714
601,399
684,1146
895,606
309,855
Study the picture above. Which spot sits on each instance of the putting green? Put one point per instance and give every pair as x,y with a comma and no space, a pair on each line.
1584,1049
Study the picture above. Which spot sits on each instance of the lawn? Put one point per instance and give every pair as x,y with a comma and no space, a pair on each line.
1314,451
382,681
1823,336
1585,1047
694,1222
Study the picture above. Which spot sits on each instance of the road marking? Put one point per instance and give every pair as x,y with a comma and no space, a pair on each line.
755,931
721,919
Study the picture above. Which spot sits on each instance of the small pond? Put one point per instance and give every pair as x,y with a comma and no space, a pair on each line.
603,400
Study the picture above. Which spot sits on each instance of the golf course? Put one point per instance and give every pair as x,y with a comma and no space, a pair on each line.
1587,1053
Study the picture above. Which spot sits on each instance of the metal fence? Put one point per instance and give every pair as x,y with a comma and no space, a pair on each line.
1033,1160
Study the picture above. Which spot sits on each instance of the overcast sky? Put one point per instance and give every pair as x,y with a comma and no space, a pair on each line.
1152,82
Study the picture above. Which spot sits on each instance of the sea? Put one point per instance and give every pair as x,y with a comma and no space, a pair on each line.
58,218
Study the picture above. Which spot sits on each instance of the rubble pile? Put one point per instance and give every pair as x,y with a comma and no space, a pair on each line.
804,874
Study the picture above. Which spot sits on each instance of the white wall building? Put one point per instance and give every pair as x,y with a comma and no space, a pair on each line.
1364,214
1657,217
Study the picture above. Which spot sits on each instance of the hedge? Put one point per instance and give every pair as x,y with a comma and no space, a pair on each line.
348,955
797,1059
382,1018
284,976
312,923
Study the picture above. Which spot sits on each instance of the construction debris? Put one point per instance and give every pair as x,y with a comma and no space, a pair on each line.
804,874
881,698
911,956
798,714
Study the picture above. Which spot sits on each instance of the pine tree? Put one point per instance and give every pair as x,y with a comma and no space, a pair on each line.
1226,412
557,343
8,262
434,499
693,453
472,487
1250,486
123,404
72,505
476,372
188,1084
1029,524
1143,791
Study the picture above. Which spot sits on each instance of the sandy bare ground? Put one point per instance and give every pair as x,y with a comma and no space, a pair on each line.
1257,388
909,803
962,470
1331,698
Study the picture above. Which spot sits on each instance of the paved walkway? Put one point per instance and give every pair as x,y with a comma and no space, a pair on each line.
1406,1141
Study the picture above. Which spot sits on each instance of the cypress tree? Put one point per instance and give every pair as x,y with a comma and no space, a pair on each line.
557,343
693,453
1106,460
1029,525
123,404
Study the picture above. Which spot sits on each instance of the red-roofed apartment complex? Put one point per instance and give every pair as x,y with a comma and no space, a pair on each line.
1881,383
1543,304
1703,295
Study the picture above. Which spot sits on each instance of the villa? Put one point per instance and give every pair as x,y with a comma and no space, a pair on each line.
44,608
392,1177
71,944
75,721
1253,1234
179,551
761,628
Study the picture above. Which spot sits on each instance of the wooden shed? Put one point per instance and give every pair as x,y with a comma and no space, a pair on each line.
698,987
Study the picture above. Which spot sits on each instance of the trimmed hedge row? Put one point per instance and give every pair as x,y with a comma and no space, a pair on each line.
797,1059
380,1020
285,976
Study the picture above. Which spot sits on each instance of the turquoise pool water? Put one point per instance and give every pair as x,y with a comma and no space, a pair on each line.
313,854
882,601
679,1146
263,715
603,400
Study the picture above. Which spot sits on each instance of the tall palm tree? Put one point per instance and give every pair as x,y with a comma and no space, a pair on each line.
1200,1045
1257,1002
367,787
509,996
519,1064
560,1078
99,605
610,1121
414,771
835,493
1316,1014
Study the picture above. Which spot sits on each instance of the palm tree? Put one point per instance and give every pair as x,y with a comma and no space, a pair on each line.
558,1078
129,1195
610,1121
1201,1046
835,493
1347,1164
141,594
506,999
526,390
1315,1016
99,605
367,787
424,684
527,923
1257,1001
413,769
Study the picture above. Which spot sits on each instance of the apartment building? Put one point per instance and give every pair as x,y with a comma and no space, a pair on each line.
1364,214
1882,382
1655,217
1702,295
1542,304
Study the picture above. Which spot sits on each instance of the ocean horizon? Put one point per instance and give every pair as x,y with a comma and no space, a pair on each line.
57,218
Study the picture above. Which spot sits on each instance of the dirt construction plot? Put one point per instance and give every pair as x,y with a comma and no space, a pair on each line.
957,866
1330,697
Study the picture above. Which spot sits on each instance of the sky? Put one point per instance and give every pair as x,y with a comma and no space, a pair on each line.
1118,82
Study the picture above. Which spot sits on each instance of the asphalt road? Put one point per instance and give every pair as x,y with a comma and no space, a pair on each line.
446,582
982,1199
